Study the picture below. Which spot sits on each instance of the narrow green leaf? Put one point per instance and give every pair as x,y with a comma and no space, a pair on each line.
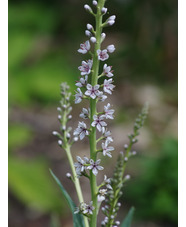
128,219
77,218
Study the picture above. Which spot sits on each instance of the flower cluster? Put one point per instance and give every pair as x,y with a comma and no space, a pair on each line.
64,116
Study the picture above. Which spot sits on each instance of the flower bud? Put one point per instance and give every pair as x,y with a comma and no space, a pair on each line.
58,108
104,10
68,175
110,22
89,27
103,35
94,3
60,142
125,159
88,33
127,177
88,8
59,117
126,146
111,48
75,139
70,117
93,39
113,17
55,133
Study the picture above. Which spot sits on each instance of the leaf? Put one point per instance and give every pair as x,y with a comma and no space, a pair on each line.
30,182
77,218
128,219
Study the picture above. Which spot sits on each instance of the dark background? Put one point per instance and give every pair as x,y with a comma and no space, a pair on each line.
43,40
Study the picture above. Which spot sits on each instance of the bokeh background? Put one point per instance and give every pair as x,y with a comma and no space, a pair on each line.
44,36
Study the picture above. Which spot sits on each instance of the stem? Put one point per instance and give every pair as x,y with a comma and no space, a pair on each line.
76,181
93,111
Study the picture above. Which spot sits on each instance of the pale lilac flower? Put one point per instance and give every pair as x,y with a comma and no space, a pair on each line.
94,166
111,48
84,113
82,82
84,47
108,112
81,130
93,39
108,86
85,67
89,208
107,70
107,135
107,149
98,122
102,97
107,182
101,195
102,55
79,165
78,96
93,91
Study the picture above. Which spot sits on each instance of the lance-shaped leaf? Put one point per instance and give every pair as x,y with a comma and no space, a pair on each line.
77,218
128,219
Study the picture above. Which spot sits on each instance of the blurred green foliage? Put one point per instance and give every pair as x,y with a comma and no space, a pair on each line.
33,185
155,191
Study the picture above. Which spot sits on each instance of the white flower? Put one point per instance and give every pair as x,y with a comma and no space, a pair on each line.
111,48
107,70
82,82
85,67
101,195
81,130
80,165
93,91
94,166
102,55
106,149
89,208
84,47
107,182
108,86
84,113
107,135
102,97
98,122
78,96
108,113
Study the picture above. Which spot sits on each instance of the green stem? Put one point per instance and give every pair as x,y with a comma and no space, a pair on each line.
76,181
93,111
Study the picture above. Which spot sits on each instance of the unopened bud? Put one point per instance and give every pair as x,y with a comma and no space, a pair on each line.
127,177
76,139
103,35
110,22
58,108
104,10
134,153
117,222
88,33
93,39
70,117
111,48
59,116
89,27
94,3
68,175
60,142
125,159
126,146
55,133
88,8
